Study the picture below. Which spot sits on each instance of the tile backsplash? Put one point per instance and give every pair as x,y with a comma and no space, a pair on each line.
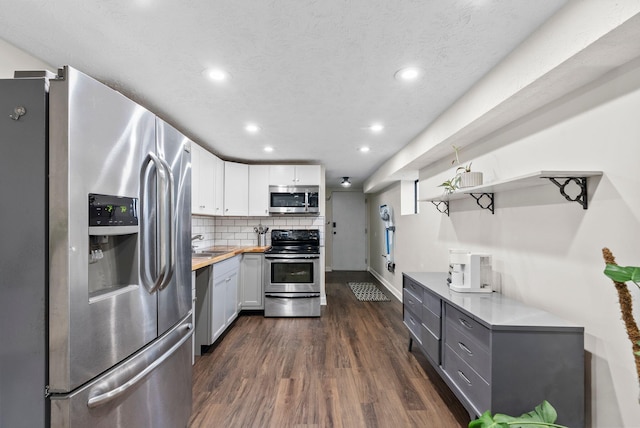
201,225
239,230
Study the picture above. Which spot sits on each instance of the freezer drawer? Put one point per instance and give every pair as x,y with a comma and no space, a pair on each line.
292,305
152,389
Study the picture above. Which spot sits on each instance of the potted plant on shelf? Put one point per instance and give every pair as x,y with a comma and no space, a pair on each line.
464,176
544,415
467,178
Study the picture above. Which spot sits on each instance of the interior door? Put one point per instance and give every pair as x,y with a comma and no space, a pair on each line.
349,231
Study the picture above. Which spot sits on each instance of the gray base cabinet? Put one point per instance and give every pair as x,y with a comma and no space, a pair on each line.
496,353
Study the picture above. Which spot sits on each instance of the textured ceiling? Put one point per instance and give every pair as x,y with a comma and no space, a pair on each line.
313,74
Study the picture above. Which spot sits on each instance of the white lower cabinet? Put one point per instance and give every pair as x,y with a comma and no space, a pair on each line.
251,280
217,303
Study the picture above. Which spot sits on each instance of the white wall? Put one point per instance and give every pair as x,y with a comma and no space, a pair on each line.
547,251
12,59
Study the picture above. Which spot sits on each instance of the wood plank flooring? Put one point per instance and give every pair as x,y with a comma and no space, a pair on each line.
349,368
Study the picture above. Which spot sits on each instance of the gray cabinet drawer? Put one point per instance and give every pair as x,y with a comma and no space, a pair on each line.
431,345
413,288
411,302
468,326
470,351
413,324
431,321
477,391
431,302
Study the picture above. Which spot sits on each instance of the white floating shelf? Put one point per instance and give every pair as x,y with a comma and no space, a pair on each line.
538,178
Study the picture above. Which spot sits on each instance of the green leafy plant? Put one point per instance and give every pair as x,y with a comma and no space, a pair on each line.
451,185
544,415
623,273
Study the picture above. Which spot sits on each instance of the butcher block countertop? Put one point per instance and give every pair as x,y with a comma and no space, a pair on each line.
228,252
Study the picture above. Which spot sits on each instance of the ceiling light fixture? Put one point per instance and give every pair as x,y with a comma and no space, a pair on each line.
252,128
345,182
376,127
216,74
408,74
268,149
364,149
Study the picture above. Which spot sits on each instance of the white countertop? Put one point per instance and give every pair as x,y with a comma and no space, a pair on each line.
494,310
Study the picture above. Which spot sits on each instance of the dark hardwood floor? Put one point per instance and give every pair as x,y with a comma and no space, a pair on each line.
349,368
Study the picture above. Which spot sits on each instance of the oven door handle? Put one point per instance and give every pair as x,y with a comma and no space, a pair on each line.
292,257
292,295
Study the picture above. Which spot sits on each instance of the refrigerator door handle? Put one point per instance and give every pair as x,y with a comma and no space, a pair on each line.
169,226
150,282
112,394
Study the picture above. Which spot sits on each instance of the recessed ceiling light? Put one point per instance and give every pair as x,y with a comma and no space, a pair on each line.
268,149
376,127
252,128
364,149
216,74
408,74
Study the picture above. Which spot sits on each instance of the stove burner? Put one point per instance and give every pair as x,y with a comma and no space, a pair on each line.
294,241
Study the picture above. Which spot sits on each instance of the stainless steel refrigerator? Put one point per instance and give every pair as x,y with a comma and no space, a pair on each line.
95,288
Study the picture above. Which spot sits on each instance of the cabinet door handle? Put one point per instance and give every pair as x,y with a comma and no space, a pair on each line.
465,323
465,349
466,379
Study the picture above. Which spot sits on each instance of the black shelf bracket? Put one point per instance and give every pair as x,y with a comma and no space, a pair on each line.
484,205
439,204
581,182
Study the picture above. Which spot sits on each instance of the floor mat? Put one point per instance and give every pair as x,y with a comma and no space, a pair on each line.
367,292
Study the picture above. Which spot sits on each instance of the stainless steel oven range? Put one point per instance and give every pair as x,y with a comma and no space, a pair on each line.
292,274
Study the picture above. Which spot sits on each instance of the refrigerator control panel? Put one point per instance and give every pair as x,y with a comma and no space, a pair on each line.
106,210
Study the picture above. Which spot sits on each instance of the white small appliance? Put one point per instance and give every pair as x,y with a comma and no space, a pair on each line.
469,272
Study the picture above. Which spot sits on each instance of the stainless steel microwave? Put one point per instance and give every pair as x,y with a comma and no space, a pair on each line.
293,199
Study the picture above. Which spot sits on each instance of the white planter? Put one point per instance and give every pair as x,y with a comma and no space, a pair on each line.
470,179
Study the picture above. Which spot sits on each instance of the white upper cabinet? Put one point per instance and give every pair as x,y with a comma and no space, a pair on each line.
299,175
258,190
202,181
218,186
236,189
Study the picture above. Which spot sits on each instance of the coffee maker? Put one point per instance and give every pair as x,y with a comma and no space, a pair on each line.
469,272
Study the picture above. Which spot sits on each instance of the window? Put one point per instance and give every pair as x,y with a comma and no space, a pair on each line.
409,197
